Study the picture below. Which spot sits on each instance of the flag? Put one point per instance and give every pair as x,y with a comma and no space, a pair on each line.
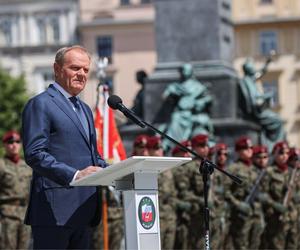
109,143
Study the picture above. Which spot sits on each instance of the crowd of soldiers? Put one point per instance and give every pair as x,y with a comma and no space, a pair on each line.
261,213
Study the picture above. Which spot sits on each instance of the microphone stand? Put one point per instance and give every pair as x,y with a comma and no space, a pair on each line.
206,167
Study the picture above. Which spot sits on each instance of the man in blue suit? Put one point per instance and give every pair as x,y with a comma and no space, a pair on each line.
60,146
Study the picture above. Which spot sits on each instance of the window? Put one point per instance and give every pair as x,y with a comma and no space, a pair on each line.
266,1
146,1
5,32
104,47
124,2
272,87
48,29
268,42
43,76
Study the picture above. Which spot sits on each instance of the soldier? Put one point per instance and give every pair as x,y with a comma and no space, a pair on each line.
14,193
240,211
277,213
220,212
167,197
183,205
139,145
196,227
260,196
293,199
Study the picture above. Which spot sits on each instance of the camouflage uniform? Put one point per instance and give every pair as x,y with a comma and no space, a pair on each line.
276,214
115,223
240,211
14,193
167,209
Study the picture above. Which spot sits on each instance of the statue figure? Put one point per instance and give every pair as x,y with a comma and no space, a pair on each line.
191,103
256,104
138,104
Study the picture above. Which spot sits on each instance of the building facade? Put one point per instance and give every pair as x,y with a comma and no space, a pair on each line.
30,34
265,25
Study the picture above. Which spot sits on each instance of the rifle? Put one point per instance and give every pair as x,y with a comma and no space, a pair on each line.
251,196
288,194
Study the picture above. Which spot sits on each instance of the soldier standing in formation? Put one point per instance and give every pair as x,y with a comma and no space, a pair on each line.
276,213
140,145
15,178
167,197
240,210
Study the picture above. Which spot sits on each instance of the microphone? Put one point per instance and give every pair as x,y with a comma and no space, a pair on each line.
115,102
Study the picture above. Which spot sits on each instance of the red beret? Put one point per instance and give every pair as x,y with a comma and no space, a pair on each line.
260,149
243,142
280,145
178,149
11,135
294,154
199,139
154,142
141,140
220,146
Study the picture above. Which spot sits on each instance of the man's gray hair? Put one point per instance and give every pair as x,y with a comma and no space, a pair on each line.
60,54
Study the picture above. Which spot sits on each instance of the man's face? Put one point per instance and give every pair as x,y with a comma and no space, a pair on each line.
281,156
141,150
72,75
202,150
156,151
245,154
261,160
222,156
12,147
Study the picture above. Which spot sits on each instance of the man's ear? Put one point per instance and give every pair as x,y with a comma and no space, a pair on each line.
56,67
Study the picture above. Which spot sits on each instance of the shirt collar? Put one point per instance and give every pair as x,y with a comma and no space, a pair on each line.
61,90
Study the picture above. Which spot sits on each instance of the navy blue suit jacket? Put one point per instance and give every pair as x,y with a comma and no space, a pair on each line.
56,146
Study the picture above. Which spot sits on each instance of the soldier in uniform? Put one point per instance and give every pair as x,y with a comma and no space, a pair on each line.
183,205
196,227
260,162
276,213
241,211
292,239
167,197
220,212
15,178
140,145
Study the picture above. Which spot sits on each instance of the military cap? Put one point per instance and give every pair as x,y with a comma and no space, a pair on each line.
178,149
279,146
259,149
243,142
154,142
200,139
11,135
141,140
220,146
294,154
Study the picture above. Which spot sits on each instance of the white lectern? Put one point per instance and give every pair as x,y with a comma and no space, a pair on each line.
136,177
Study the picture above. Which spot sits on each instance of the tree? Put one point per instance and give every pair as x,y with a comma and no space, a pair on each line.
12,100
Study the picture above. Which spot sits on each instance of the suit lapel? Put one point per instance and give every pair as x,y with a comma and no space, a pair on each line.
63,104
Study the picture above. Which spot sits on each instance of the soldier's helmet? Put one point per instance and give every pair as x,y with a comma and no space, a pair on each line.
294,154
177,149
281,145
154,142
199,140
11,136
243,142
220,146
259,149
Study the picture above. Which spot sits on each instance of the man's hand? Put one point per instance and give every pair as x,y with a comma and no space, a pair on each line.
87,171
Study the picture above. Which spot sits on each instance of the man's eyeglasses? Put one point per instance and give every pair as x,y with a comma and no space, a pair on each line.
282,152
221,153
262,157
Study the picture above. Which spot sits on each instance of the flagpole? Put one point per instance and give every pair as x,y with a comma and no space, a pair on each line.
102,63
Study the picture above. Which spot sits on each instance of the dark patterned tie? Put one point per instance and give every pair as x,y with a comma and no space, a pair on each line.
75,102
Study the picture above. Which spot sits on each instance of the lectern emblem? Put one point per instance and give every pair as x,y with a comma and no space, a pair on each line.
146,212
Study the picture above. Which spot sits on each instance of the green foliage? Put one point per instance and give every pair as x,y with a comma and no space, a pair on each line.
12,100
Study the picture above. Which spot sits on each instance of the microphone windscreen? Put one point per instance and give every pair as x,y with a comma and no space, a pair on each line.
113,101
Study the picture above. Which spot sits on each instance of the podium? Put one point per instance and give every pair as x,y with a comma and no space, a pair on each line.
137,177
